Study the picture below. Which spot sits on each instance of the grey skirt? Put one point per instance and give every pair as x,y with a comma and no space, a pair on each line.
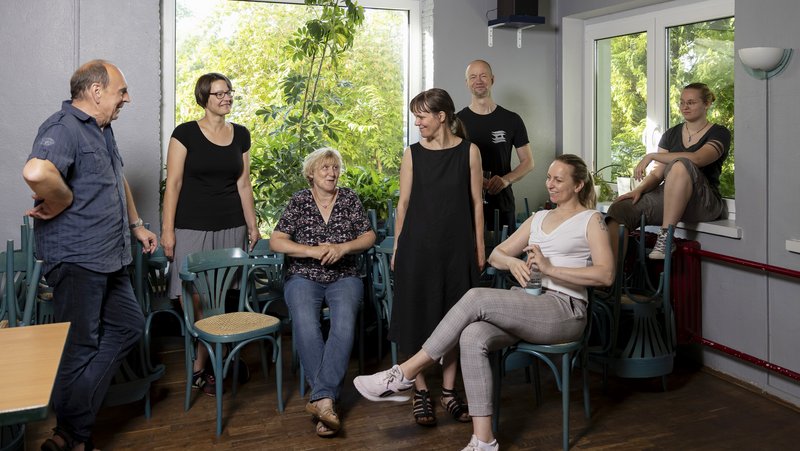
190,241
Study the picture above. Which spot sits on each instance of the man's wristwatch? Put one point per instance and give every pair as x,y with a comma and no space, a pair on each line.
136,224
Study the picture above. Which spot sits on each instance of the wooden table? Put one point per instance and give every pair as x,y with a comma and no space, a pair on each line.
29,358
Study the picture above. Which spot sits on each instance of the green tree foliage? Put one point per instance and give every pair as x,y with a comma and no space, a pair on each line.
699,52
306,76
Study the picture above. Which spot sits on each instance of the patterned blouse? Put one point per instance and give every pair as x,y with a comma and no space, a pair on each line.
303,222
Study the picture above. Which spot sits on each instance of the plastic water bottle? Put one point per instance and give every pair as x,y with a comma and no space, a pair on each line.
534,285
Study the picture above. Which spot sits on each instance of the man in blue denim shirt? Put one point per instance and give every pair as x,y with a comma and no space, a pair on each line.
84,215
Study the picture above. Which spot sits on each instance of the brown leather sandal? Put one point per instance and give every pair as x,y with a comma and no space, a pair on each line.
325,431
423,408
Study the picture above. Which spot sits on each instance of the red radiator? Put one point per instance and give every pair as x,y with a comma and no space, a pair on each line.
685,286
686,291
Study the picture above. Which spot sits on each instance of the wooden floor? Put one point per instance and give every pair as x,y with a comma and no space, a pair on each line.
699,411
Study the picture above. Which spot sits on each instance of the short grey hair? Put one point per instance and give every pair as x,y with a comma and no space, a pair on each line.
317,157
94,71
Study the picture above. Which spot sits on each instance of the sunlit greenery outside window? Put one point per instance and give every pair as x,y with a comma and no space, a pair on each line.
620,105
247,41
703,52
696,52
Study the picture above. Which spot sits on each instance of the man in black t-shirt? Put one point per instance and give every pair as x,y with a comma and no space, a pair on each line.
495,130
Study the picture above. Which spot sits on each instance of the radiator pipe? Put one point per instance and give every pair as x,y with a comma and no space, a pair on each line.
743,262
748,358
733,352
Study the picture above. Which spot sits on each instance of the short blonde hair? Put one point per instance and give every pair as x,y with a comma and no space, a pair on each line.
317,157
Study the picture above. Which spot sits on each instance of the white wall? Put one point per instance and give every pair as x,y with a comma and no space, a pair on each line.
44,41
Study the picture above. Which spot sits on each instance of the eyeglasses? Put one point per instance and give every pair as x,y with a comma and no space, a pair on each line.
221,94
689,103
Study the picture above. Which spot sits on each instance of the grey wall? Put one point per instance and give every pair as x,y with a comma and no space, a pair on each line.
747,310
524,78
43,42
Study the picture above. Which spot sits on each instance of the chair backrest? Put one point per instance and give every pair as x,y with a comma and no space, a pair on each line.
267,273
19,285
638,280
156,280
390,215
382,282
211,274
137,272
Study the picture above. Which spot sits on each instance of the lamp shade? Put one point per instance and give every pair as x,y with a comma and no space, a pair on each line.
761,58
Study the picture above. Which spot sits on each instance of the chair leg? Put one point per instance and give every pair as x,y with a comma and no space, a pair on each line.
279,371
188,351
565,373
394,353
233,359
496,361
217,359
361,339
264,364
587,408
147,411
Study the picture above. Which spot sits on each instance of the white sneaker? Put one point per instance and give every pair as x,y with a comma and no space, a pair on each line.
660,247
476,445
384,386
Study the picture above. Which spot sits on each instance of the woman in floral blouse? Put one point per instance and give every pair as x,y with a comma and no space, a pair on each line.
322,231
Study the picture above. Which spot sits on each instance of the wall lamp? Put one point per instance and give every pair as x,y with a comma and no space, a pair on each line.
764,62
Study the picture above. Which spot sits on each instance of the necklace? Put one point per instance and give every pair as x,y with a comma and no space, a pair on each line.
689,132
319,202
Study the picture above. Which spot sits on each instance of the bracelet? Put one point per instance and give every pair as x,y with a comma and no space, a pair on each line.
136,224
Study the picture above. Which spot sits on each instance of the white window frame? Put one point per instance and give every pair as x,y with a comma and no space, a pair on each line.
579,76
413,76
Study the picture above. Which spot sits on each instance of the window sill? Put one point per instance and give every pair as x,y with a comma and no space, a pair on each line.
793,245
720,227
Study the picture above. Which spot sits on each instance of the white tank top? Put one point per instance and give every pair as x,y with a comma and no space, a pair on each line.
567,246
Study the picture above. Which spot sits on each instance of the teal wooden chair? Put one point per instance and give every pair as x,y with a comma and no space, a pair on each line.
606,314
561,358
266,290
383,291
647,321
137,373
211,274
156,302
20,282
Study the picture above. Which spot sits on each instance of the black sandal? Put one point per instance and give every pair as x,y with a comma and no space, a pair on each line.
423,408
455,405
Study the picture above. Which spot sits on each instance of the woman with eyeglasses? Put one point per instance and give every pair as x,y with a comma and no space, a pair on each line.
208,200
684,182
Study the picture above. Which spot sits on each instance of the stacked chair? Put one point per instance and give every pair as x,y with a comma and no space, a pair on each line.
638,338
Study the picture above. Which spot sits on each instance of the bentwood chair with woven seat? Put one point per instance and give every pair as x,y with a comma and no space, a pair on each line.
211,274
571,354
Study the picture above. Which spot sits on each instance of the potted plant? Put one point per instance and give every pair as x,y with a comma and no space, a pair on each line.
604,189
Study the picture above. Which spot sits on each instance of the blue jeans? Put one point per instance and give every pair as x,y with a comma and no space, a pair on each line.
107,322
324,361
